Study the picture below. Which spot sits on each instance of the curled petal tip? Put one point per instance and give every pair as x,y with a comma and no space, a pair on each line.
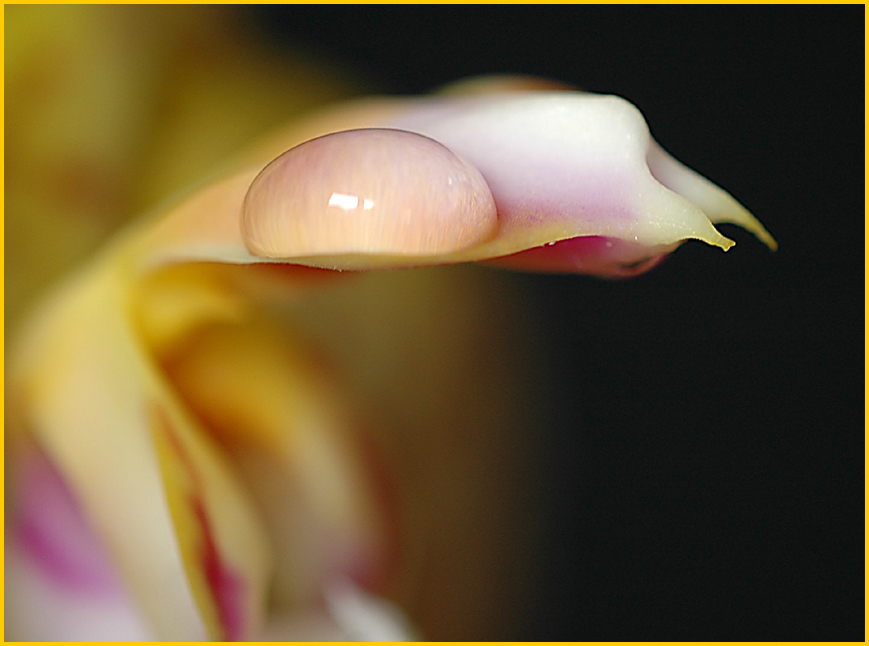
367,191
739,215
717,204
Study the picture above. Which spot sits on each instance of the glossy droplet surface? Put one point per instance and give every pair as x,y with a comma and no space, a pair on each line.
371,191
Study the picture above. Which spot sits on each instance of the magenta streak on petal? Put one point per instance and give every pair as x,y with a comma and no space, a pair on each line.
226,586
595,255
52,528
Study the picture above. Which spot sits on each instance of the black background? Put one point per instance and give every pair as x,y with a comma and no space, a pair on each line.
707,476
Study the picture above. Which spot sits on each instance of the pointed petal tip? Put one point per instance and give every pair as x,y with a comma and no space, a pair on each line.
725,243
718,205
753,225
741,217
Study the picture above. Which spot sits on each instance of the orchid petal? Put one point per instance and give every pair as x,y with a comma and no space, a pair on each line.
173,516
282,426
60,582
560,165
80,358
124,348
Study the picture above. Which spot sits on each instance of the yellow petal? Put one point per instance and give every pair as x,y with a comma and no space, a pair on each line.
88,392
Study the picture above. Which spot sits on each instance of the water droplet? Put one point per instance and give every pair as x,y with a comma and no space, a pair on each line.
371,191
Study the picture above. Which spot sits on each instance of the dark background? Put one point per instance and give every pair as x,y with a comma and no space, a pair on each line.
707,475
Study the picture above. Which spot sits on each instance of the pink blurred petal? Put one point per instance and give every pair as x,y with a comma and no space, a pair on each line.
59,580
50,525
